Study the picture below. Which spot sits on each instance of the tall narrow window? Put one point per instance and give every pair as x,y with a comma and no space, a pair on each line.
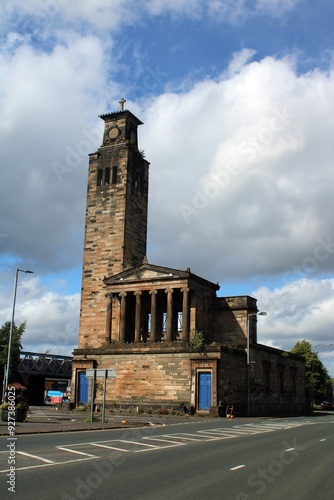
266,370
293,385
114,175
99,176
280,382
107,176
136,180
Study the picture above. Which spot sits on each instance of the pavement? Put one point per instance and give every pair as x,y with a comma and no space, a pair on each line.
44,419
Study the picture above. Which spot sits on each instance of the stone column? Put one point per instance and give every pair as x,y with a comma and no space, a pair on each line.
122,318
137,316
153,335
185,314
169,325
108,319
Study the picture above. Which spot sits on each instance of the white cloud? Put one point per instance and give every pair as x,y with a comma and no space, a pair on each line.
238,61
37,17
49,108
303,309
52,319
276,7
243,165
240,10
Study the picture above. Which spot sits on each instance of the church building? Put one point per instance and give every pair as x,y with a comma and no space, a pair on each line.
166,334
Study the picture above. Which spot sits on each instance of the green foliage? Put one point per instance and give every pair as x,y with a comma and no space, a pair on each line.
15,348
318,380
197,341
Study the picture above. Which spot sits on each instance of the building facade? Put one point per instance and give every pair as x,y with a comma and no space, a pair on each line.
167,334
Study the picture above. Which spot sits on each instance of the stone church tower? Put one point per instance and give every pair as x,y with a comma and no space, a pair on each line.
164,331
116,216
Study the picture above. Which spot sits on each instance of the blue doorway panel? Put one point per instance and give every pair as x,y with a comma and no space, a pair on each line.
83,388
204,390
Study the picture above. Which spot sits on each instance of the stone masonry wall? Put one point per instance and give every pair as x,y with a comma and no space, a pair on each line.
154,379
229,320
277,382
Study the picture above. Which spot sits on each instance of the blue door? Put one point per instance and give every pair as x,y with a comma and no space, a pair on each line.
83,388
204,390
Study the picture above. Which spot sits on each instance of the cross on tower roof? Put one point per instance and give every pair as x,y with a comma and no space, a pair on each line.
122,102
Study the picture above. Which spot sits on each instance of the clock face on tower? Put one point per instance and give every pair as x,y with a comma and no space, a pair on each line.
114,132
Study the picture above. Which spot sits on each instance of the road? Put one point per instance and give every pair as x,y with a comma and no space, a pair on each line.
212,459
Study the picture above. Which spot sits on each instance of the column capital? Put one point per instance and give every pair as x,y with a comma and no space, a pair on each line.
138,293
169,290
153,292
123,294
185,289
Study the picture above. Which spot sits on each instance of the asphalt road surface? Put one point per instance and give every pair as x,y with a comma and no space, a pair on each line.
213,459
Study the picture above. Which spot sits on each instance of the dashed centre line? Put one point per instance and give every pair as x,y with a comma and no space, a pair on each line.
238,467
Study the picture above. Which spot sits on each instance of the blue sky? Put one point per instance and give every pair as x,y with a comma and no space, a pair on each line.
237,103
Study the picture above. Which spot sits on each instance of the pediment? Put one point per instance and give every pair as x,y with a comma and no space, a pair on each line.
146,272
151,273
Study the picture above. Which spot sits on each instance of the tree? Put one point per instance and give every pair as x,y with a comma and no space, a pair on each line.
16,348
317,381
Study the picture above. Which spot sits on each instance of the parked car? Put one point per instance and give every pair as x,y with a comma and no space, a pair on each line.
327,405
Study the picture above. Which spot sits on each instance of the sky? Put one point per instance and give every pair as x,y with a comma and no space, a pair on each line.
237,100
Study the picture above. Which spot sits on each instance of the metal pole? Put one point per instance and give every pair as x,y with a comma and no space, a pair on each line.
11,330
12,324
104,395
4,383
92,395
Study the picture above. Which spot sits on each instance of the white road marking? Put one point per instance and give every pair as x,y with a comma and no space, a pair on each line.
220,434
136,443
51,465
238,467
36,457
64,448
187,437
162,439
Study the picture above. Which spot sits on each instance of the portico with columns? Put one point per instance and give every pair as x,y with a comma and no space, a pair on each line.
154,304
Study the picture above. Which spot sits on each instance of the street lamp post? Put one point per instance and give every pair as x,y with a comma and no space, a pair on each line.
262,313
11,326
313,352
